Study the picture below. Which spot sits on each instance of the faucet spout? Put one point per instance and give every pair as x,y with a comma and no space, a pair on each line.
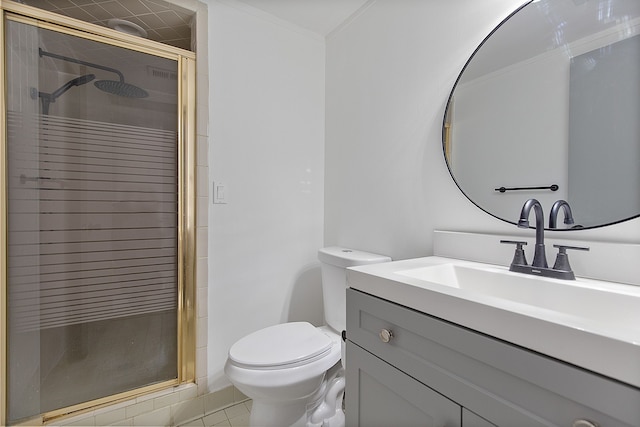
555,209
539,256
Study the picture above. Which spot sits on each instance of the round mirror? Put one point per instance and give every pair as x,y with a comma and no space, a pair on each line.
548,107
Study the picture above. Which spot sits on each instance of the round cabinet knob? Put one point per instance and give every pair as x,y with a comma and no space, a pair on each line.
584,423
386,335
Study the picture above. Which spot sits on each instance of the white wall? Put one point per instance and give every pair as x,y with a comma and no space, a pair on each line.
267,145
389,74
385,184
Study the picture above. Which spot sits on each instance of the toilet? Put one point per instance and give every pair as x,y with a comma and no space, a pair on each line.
293,371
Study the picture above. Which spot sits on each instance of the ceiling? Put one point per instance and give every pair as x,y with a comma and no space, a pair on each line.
164,22
170,24
318,16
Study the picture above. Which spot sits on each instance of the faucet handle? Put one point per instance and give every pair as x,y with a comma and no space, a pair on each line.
518,256
519,243
562,259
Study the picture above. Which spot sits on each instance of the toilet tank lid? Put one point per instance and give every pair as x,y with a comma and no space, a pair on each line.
345,257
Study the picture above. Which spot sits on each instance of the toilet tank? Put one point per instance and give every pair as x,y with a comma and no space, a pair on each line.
334,261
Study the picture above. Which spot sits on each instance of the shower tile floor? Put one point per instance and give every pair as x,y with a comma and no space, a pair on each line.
233,416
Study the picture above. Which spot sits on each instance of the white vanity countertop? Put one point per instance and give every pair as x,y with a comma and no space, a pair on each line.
598,330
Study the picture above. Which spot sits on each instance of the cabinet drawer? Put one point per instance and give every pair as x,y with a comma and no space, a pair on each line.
505,384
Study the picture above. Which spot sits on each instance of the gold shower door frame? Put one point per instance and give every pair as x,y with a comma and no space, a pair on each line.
186,193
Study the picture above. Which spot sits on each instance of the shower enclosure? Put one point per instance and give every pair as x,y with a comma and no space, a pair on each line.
97,219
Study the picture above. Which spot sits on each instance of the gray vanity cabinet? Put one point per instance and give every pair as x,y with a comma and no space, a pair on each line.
469,419
432,372
388,397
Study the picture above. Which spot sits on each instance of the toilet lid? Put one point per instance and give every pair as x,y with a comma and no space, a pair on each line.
294,343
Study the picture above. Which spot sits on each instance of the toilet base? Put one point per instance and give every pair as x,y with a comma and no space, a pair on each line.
322,408
275,415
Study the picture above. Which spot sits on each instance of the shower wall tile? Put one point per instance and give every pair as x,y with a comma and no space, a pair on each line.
201,242
202,104
202,274
201,363
202,214
152,396
155,395
183,403
202,307
201,333
200,44
163,408
110,417
113,407
202,181
202,341
139,408
188,393
88,422
187,410
160,417
202,384
202,158
201,34
166,401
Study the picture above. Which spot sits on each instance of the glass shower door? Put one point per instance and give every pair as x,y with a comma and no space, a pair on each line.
92,289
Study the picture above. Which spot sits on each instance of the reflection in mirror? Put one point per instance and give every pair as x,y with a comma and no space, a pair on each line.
548,107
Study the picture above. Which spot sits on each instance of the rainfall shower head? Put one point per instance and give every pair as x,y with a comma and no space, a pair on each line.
121,88
115,87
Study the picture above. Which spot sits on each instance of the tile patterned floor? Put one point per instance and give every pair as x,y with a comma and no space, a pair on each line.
233,416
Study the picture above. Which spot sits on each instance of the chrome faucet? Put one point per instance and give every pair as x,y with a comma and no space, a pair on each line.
539,256
555,209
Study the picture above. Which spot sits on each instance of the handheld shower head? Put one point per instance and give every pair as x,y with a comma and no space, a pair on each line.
78,81
83,79
48,98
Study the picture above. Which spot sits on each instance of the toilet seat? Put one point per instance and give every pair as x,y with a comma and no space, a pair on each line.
282,346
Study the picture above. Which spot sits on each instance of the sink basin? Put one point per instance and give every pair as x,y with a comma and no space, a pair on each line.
587,299
592,324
